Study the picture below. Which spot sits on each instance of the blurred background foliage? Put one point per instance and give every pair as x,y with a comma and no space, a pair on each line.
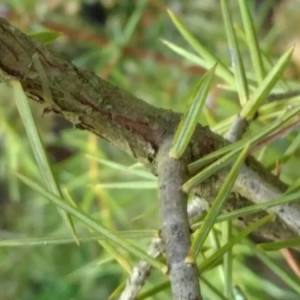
121,42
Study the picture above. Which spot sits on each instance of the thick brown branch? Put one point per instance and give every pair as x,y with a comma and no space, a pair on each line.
133,125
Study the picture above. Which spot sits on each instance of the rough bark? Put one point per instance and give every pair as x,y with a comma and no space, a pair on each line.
133,125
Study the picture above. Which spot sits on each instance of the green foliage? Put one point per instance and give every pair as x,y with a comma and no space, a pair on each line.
235,54
45,37
218,204
191,115
262,92
111,198
40,155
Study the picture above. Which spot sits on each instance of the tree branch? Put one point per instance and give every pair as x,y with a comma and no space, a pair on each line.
175,224
140,271
135,126
237,129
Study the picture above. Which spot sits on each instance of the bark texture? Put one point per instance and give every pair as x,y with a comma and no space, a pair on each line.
134,126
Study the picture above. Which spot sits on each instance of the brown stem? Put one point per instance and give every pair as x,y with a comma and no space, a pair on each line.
134,126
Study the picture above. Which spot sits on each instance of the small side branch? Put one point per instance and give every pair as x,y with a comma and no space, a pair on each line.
156,248
175,225
140,271
237,129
